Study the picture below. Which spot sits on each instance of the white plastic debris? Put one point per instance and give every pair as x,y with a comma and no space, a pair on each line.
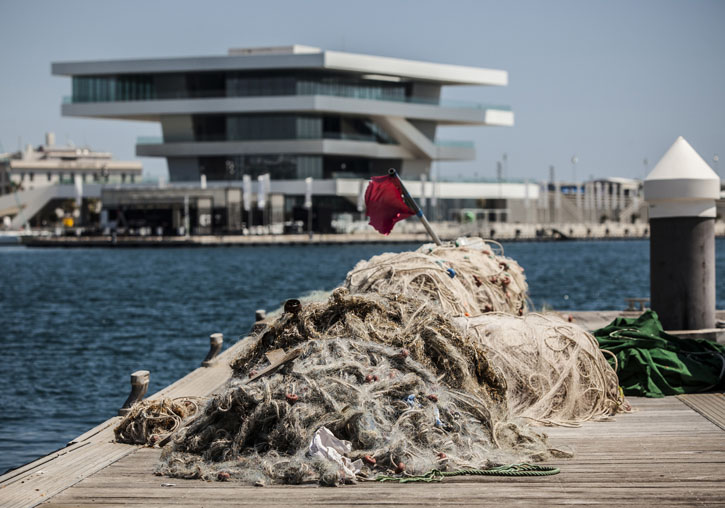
326,446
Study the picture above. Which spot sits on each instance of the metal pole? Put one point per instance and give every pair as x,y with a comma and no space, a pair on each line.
414,206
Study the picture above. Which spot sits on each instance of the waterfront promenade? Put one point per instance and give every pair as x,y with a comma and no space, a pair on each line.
411,233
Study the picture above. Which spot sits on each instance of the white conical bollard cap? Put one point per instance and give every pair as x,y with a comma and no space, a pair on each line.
681,184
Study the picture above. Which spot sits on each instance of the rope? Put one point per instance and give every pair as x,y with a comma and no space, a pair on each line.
436,475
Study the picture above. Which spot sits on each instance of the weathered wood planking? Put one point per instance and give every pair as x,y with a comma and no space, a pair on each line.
90,452
663,453
709,405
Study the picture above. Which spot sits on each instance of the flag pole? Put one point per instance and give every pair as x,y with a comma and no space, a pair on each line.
414,206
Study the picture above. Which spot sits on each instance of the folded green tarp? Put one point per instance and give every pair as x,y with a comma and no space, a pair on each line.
652,363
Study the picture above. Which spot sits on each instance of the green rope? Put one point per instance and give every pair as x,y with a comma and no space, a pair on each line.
436,475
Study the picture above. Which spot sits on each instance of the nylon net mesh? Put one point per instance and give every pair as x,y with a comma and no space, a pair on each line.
392,364
463,280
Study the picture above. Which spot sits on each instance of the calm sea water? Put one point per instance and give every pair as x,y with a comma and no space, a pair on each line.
75,323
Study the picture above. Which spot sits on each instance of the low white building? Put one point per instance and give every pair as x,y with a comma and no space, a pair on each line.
30,179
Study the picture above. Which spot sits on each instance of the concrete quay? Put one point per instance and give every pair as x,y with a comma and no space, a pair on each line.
405,233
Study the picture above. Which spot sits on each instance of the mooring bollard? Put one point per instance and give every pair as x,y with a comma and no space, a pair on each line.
139,385
681,191
215,346
260,315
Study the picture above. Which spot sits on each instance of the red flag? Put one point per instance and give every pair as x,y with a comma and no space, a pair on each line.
385,204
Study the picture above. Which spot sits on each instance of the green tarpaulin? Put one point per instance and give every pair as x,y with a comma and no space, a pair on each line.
654,364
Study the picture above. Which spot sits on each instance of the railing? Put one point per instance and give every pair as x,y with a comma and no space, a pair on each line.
445,103
454,143
149,140
158,140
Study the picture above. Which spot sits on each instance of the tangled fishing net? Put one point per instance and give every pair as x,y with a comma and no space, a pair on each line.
408,364
555,372
464,280
397,414
150,421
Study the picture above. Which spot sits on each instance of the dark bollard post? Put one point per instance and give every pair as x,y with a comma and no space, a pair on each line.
139,385
260,315
681,191
215,346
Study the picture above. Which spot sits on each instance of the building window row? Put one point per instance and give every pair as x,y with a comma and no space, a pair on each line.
69,178
139,87
278,127
292,167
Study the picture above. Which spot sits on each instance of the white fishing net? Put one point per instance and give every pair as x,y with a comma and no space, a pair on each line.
464,280
412,365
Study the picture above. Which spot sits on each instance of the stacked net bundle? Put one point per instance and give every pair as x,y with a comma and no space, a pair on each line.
426,334
395,411
555,372
466,278
388,373
150,421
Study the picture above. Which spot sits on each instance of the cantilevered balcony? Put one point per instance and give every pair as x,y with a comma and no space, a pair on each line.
444,112
357,146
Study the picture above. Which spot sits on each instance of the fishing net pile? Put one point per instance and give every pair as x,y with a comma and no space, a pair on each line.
408,364
464,280
555,372
149,422
388,373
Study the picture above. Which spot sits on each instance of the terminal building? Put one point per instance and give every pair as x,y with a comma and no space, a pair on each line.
291,113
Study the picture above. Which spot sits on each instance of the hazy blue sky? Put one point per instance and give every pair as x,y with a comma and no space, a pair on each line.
611,81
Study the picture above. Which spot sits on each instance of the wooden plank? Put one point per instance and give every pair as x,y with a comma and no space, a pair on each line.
709,405
665,453
93,450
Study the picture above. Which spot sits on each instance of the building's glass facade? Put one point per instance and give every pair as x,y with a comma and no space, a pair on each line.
286,126
139,87
292,167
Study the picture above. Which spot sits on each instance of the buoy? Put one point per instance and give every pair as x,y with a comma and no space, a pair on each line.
369,459
442,456
506,280
223,476
404,353
291,398
570,318
433,397
376,378
400,467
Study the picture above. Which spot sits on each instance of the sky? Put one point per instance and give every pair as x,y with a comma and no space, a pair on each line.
612,82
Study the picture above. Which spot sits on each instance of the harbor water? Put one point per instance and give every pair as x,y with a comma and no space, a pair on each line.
76,322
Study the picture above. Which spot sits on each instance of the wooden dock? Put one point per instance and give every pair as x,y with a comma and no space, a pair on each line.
664,453
668,451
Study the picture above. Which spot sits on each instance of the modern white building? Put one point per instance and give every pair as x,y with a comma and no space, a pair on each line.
295,112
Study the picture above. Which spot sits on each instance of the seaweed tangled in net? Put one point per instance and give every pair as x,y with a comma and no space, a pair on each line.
150,421
555,372
392,408
465,280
